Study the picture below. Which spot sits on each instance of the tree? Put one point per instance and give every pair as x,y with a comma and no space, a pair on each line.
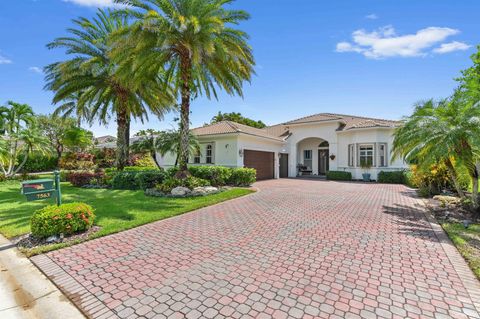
77,138
194,43
55,128
90,79
21,137
146,143
170,142
238,118
443,132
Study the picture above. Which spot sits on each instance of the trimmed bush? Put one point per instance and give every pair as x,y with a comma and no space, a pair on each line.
190,183
242,177
65,219
339,176
217,175
148,179
80,179
124,180
396,177
38,163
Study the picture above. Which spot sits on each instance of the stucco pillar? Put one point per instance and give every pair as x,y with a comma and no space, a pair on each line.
292,161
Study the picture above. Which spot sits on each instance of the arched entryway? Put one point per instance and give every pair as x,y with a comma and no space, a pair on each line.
313,156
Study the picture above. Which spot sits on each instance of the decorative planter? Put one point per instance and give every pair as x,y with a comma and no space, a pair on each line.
366,177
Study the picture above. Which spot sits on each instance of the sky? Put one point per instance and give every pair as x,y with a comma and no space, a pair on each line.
373,58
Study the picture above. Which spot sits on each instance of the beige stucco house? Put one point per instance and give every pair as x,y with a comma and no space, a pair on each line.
310,145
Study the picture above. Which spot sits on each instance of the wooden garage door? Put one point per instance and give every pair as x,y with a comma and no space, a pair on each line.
261,161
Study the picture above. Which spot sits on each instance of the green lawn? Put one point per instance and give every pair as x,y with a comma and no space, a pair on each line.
115,210
467,242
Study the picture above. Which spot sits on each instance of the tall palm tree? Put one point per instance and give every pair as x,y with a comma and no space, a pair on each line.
446,131
91,76
195,43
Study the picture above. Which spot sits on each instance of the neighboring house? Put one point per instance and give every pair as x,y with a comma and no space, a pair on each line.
105,139
310,145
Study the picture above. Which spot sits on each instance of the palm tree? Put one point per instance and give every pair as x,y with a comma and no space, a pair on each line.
21,137
90,76
194,43
446,131
170,142
77,138
146,143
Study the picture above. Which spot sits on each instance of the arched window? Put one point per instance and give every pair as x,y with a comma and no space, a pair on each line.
323,144
209,154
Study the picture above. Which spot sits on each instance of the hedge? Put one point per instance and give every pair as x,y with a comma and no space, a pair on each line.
339,176
38,163
148,179
221,175
395,177
80,179
64,219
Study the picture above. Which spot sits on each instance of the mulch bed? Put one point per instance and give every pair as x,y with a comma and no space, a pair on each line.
29,241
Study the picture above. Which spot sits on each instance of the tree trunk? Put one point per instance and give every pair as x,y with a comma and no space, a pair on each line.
475,201
185,66
121,161
454,177
59,150
127,139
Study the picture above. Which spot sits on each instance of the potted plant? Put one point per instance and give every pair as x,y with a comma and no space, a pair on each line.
365,165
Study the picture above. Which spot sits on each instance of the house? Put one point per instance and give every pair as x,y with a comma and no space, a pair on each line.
310,145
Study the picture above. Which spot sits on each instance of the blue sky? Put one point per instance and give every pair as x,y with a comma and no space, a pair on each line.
373,58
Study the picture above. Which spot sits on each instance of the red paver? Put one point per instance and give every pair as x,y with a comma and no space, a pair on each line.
295,249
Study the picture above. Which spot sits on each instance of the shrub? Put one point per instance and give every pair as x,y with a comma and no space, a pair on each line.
65,219
80,179
242,177
396,177
217,175
76,161
190,183
339,176
38,163
143,160
430,181
104,157
124,180
148,179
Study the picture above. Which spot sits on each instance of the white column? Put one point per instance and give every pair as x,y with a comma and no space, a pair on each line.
292,161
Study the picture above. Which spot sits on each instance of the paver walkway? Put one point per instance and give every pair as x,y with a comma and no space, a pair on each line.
297,248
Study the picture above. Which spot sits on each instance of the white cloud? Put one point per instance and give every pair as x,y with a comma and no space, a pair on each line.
93,3
4,60
371,16
452,46
36,69
384,42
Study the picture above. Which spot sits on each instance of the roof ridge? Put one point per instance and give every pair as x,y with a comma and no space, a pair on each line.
362,117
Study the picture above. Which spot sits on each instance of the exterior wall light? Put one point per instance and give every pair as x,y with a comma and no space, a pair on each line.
332,157
240,152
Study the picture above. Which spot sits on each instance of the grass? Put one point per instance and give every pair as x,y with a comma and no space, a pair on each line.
115,210
467,241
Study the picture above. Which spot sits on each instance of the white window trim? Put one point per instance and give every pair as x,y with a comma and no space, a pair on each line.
212,156
351,155
385,154
359,146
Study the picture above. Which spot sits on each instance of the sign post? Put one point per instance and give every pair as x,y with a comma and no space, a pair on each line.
43,189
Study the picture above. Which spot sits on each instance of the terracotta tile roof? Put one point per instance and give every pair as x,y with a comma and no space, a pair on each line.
349,121
228,127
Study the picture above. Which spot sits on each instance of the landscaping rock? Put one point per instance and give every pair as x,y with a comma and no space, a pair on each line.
211,189
180,191
199,191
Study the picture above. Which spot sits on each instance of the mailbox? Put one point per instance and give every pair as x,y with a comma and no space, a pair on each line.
43,189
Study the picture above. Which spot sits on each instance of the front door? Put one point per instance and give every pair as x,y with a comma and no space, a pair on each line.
323,163
283,165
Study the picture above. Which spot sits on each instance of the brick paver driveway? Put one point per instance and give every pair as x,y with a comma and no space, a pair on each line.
295,249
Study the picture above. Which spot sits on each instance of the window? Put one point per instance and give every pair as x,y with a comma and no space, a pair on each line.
351,155
382,155
209,154
196,158
366,155
307,158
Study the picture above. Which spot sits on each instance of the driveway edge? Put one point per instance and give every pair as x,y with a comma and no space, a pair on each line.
90,305
26,292
468,278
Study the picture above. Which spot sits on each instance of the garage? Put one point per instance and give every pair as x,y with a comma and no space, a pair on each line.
263,162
